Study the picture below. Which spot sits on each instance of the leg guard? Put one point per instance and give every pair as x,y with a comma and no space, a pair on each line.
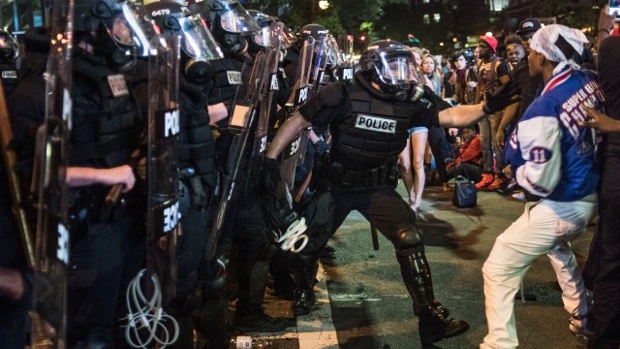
435,323
416,274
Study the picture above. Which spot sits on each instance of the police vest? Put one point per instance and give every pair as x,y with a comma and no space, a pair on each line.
227,77
196,144
9,77
374,133
105,120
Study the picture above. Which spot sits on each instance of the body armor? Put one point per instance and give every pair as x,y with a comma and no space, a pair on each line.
374,133
226,79
196,143
105,130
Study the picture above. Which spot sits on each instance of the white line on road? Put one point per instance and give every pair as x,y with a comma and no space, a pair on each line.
316,330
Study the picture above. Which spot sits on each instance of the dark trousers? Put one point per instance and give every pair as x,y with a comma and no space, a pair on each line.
602,273
383,207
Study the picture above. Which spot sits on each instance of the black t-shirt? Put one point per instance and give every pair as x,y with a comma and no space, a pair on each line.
332,106
609,70
530,86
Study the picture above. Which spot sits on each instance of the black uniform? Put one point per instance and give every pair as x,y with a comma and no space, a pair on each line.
106,130
368,133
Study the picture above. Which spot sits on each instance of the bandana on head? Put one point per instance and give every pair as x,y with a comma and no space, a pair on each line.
559,43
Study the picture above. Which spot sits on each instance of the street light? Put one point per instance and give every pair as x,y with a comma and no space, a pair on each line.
323,4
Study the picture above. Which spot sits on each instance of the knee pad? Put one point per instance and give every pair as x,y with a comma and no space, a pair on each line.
407,238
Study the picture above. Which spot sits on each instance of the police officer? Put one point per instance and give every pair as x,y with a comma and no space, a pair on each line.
243,241
369,121
106,127
197,171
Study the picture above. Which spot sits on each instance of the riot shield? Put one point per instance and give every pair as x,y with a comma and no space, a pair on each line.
162,165
50,187
269,86
147,324
293,153
345,45
241,121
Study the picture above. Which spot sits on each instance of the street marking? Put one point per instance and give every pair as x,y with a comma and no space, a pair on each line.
316,330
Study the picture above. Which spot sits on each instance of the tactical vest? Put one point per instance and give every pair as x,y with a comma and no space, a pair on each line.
227,77
104,128
196,144
374,133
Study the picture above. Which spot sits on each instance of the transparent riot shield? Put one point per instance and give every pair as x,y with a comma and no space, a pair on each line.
50,188
162,162
148,326
241,123
269,86
345,71
299,94
294,152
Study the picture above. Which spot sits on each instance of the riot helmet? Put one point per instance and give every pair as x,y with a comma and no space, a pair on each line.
260,38
316,31
123,29
390,64
229,22
9,49
320,51
197,44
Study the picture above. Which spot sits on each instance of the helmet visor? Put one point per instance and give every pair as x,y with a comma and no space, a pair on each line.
396,70
198,42
334,58
132,27
238,20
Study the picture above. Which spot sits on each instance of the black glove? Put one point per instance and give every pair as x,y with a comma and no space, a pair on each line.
502,97
270,175
321,146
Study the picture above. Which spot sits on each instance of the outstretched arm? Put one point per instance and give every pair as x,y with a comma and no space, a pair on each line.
463,115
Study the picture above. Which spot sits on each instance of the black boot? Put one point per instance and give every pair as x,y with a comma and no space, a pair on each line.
304,268
435,322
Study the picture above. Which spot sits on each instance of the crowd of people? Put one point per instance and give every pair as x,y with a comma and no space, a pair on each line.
276,138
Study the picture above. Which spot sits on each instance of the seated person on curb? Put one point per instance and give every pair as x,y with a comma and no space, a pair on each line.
469,163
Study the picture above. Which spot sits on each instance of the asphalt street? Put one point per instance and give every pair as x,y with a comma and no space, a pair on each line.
363,303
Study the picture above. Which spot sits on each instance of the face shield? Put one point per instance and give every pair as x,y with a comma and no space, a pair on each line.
235,19
9,50
131,28
198,43
395,70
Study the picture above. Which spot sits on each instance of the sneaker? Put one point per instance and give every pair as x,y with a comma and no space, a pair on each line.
519,195
446,187
497,183
508,187
487,179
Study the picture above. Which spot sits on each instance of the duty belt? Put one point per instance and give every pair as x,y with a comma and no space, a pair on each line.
374,177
